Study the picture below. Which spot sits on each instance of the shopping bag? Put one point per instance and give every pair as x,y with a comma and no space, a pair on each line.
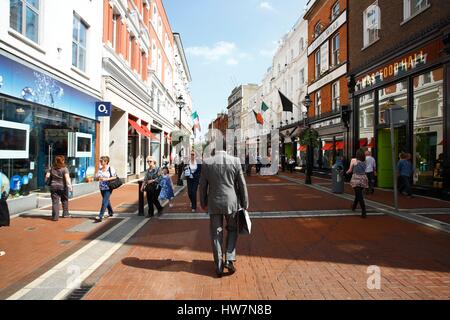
244,222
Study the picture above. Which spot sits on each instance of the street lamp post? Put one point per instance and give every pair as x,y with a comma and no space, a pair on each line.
181,104
309,151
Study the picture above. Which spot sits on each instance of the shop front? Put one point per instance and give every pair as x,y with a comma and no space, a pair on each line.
42,117
415,81
331,143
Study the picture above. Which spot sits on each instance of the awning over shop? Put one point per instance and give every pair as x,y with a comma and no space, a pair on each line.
328,146
149,134
363,142
339,145
137,127
372,143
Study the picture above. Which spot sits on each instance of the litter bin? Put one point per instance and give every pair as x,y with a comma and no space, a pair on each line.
337,174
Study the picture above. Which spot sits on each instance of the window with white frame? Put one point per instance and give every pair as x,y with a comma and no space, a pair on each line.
317,70
79,43
336,96
154,55
318,109
302,76
414,7
24,18
301,45
317,29
372,23
335,50
335,11
115,31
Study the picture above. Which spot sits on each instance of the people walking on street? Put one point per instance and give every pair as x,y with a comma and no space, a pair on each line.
105,174
58,179
166,187
292,164
152,187
371,171
405,172
359,180
192,172
223,192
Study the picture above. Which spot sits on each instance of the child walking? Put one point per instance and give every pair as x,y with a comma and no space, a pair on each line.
166,187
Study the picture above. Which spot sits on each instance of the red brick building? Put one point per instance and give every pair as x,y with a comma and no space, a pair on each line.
327,82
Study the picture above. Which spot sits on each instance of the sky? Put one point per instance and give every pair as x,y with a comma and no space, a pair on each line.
228,43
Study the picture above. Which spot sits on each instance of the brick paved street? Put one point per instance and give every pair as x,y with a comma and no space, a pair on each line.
311,257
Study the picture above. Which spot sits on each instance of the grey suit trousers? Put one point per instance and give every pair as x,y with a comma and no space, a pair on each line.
216,229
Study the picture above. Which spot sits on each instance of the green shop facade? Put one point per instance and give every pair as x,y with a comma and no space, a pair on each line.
416,79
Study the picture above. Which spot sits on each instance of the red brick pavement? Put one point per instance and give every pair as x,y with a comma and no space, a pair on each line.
34,245
383,196
312,258
266,192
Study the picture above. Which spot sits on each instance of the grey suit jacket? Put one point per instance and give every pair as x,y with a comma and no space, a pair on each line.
222,185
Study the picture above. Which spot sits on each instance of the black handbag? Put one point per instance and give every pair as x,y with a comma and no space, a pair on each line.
48,182
114,184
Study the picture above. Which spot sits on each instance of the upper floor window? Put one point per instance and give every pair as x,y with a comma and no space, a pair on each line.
335,11
318,104
301,45
79,43
414,7
372,24
24,18
336,96
317,29
336,50
302,76
317,70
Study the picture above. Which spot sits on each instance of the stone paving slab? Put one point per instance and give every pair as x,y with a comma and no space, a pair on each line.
303,258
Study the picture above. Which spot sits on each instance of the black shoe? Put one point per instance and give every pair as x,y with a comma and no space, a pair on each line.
111,214
363,215
229,265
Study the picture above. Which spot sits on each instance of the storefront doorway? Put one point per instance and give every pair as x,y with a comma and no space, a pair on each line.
385,166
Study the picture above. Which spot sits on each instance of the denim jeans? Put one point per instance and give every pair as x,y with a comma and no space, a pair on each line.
106,203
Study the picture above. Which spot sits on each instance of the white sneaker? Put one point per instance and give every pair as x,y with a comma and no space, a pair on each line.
2,253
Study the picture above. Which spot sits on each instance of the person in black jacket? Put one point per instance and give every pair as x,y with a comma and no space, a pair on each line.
4,213
192,172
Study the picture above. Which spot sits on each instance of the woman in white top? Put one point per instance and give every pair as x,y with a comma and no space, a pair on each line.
105,174
192,173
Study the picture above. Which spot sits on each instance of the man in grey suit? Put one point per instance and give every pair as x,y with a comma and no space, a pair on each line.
223,192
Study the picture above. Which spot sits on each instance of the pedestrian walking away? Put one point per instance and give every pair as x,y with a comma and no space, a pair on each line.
371,172
359,180
166,187
152,187
105,174
58,179
192,172
223,192
405,172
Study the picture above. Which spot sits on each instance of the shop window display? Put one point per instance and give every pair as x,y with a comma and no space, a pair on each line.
428,129
48,135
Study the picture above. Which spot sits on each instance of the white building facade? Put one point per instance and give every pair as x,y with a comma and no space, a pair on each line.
50,81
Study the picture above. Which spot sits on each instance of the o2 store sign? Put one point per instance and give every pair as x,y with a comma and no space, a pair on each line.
103,109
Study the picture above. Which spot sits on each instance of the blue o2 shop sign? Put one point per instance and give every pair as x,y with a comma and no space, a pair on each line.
23,82
103,109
